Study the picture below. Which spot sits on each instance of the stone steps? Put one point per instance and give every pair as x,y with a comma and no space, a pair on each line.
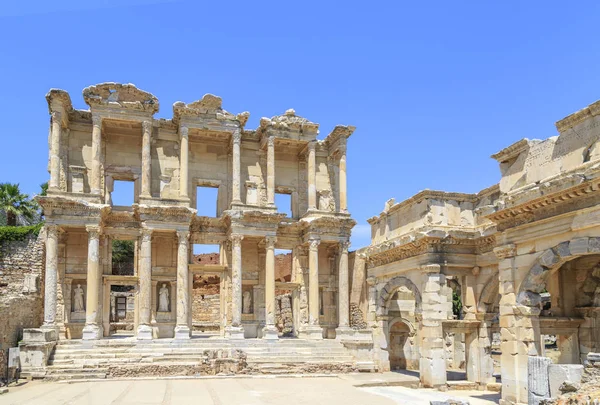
462,385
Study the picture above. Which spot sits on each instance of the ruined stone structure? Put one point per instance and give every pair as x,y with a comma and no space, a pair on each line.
450,280
501,249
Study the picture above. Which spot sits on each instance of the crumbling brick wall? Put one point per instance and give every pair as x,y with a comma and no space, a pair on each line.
21,284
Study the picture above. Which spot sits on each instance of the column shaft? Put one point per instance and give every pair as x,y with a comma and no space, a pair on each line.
313,283
183,163
145,282
236,330
343,291
270,171
270,331
146,158
236,140
55,150
312,186
95,182
343,185
93,326
51,278
182,330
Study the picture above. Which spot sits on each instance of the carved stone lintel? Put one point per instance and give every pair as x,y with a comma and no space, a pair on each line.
506,251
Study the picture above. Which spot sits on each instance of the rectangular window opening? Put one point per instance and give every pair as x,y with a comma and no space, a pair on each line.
123,257
207,201
123,193
206,254
283,265
283,201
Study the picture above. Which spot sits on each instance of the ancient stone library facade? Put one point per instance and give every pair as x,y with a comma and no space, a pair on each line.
468,285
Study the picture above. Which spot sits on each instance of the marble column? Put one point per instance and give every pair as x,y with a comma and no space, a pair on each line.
51,277
183,163
95,182
313,330
93,325
182,329
236,140
146,159
144,330
270,330
342,182
343,292
311,166
271,171
55,151
236,330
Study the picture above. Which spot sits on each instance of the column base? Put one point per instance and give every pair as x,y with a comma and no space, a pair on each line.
234,332
91,332
343,333
182,332
311,332
270,332
144,332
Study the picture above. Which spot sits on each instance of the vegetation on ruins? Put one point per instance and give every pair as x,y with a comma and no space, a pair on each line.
16,233
122,256
17,208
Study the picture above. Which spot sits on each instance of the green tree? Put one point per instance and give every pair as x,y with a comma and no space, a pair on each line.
44,188
122,257
17,207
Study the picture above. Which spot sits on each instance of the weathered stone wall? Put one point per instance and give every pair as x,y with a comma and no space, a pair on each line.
283,316
21,282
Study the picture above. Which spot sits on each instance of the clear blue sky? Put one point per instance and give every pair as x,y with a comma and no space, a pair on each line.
434,88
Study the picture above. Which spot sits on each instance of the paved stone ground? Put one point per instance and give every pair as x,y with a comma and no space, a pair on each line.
231,391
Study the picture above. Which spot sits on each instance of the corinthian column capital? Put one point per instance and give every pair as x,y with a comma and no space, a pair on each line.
236,136
56,116
344,247
183,236
314,243
146,235
236,239
93,231
147,126
270,241
183,131
96,120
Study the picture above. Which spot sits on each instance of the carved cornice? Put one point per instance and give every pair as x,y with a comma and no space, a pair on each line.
56,207
169,214
547,206
60,97
512,151
578,117
506,251
410,246
209,107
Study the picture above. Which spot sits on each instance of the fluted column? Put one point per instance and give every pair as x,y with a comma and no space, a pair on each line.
93,325
146,159
183,163
236,329
271,171
343,291
313,330
55,151
144,330
236,139
182,330
95,182
270,330
312,186
342,182
51,277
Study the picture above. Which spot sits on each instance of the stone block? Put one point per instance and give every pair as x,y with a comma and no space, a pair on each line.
538,383
39,335
594,245
563,249
548,258
559,373
579,246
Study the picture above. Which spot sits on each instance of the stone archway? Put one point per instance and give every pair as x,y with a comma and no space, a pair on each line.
401,345
534,282
489,295
390,288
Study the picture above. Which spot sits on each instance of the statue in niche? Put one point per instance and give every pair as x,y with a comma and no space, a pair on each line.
247,302
325,201
78,305
163,299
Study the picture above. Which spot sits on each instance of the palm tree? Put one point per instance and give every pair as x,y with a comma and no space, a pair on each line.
18,208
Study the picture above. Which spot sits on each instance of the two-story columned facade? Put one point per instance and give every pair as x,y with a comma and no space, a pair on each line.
118,140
